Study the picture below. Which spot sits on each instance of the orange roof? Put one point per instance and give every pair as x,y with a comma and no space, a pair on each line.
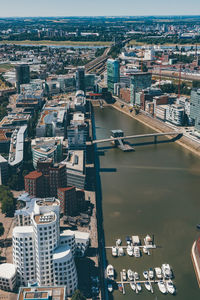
66,188
33,175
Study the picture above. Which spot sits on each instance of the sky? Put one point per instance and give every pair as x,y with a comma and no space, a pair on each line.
31,8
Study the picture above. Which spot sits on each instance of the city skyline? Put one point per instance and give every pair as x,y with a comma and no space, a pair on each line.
62,8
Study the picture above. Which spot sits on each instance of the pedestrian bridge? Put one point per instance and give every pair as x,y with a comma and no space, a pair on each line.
137,136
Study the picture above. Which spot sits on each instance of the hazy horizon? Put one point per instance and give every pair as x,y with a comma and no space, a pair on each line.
96,8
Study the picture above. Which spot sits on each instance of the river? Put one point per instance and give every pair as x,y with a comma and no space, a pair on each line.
153,190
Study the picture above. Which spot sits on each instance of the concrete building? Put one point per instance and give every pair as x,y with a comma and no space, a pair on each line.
16,153
175,114
52,263
113,74
42,293
75,169
139,81
8,277
52,122
161,112
80,79
77,136
47,148
195,108
3,170
46,180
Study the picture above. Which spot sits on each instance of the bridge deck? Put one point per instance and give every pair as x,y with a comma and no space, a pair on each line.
136,136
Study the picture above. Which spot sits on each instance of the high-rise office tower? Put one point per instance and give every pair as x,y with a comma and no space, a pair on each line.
22,75
139,81
80,79
113,73
195,108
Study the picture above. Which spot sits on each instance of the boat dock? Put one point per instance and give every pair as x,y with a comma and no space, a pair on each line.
151,282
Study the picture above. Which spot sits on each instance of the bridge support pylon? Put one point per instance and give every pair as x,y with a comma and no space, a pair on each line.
155,139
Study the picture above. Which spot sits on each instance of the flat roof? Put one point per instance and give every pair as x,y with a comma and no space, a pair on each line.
58,292
45,218
23,229
75,160
33,175
61,252
7,270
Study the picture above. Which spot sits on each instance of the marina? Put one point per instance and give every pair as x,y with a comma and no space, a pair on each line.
132,279
133,246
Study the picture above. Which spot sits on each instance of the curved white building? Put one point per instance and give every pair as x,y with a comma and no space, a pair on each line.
24,253
64,269
46,240
8,274
67,237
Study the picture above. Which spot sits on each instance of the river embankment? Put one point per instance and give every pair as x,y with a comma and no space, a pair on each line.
158,126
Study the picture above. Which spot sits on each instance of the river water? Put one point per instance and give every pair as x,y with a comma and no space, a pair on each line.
153,190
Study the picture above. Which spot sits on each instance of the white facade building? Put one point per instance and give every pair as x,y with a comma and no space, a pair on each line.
37,250
8,276
24,253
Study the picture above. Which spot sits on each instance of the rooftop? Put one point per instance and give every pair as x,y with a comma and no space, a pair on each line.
7,271
33,175
61,252
57,292
45,218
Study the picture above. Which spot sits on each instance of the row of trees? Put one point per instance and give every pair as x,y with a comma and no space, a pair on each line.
173,88
7,201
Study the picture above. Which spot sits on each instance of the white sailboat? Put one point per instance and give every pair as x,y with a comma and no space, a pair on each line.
114,251
170,287
130,274
110,272
162,287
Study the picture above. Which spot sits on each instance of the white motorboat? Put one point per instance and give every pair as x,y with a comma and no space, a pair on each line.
130,274
136,251
136,275
147,285
146,274
148,240
129,250
158,272
145,250
114,251
124,274
118,242
133,286
167,272
151,273
170,287
110,287
162,287
120,251
139,287
110,272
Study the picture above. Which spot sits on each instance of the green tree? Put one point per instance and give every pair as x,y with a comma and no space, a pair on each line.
78,296
2,230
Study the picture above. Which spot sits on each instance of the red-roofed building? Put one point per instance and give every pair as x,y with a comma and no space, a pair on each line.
34,184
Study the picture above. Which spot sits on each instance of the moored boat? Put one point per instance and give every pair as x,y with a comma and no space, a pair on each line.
136,275
136,251
166,270
129,250
158,272
120,287
151,273
139,287
133,286
110,287
146,274
114,251
147,285
124,274
120,251
110,272
118,242
170,287
162,287
145,250
130,274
